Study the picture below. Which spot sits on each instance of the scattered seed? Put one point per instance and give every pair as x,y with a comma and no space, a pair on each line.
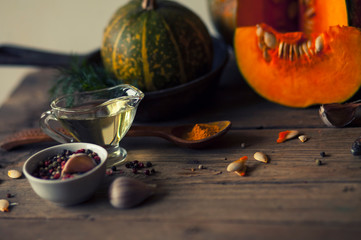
318,162
260,156
4,205
14,173
242,171
243,145
237,165
193,169
303,138
285,135
322,154
201,167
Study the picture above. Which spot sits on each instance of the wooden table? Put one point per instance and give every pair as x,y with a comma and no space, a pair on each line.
289,198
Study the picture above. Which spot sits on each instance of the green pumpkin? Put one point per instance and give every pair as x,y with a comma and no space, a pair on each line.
155,45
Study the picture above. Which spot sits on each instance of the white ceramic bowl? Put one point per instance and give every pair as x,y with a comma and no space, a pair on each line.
70,191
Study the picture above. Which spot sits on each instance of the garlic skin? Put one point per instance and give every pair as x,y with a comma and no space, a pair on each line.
125,192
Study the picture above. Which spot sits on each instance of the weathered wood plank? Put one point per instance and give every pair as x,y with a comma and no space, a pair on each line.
210,229
177,230
291,188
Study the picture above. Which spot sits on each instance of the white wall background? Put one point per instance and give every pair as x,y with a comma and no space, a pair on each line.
69,26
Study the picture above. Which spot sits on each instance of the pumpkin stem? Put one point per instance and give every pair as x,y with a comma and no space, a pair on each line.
148,4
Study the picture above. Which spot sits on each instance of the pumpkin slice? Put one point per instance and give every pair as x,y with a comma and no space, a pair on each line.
298,71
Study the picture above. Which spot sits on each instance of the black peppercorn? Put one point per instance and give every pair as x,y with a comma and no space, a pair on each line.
323,154
356,147
149,164
114,168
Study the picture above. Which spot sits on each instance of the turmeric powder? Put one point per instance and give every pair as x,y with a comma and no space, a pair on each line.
202,130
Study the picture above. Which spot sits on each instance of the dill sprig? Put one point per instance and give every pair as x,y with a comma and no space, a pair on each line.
80,77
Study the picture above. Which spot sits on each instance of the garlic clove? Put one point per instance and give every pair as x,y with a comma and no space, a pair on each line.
79,162
125,192
337,114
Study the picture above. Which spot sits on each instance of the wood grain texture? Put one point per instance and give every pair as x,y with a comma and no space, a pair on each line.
290,197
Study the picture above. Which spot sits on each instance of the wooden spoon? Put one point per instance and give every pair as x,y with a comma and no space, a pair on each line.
175,134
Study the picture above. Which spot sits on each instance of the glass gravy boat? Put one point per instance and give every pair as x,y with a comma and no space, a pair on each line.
102,117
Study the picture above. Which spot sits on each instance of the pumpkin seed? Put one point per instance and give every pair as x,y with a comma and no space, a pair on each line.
259,31
303,138
319,44
295,50
261,46
285,47
260,156
270,40
290,54
237,165
242,171
305,49
310,13
4,205
280,49
300,50
14,173
285,135
309,45
266,56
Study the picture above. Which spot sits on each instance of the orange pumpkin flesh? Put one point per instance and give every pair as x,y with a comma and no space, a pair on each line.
297,79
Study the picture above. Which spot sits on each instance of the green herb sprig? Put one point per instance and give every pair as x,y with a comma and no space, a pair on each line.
80,77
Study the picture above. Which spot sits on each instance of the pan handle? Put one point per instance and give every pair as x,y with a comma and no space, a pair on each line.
23,56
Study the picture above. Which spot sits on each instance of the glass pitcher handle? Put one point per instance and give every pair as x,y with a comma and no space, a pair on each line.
45,119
